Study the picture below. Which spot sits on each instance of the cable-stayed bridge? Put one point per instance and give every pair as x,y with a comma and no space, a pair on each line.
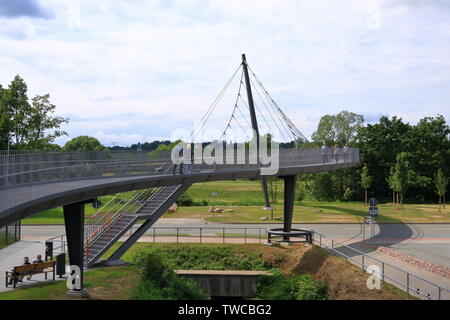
145,183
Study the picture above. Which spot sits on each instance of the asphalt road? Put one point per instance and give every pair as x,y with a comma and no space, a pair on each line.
430,242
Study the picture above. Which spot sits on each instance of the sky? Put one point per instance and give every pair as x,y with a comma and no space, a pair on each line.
134,71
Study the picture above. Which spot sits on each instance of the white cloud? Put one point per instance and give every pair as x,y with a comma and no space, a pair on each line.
139,69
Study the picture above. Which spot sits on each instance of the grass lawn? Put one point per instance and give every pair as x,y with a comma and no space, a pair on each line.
116,283
245,198
320,212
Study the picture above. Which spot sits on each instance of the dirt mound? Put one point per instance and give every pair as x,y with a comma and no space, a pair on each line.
345,281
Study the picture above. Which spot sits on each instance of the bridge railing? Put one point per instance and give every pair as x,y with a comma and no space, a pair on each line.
18,168
413,284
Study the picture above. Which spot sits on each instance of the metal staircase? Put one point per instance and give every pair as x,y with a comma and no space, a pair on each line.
113,224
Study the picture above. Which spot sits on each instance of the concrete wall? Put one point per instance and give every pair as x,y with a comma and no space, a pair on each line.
224,283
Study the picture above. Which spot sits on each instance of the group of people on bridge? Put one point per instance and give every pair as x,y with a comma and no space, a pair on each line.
336,152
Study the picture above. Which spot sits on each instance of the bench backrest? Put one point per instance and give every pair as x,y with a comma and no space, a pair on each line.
34,267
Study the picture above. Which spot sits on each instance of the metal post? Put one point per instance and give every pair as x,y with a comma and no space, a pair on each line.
74,225
245,237
259,235
439,293
320,243
200,235
289,197
223,236
382,271
177,234
332,244
154,234
7,162
407,282
363,260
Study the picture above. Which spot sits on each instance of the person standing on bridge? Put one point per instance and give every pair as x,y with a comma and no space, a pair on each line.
346,150
324,150
179,151
336,152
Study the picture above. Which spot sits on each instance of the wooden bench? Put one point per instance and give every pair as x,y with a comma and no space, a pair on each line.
30,269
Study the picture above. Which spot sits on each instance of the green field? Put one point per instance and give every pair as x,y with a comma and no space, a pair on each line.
321,273
245,198
116,283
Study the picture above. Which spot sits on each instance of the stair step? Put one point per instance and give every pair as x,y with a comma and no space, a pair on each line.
121,225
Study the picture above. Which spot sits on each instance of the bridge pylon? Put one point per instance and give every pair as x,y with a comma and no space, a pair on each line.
74,225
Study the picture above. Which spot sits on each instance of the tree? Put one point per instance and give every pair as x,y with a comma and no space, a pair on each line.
391,181
15,110
341,128
429,146
379,144
401,175
39,123
441,183
300,192
27,126
167,147
84,143
273,188
4,120
366,180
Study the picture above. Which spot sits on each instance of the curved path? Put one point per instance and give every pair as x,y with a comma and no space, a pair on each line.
22,201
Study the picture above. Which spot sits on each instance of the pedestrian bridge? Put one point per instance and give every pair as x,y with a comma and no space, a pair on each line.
33,182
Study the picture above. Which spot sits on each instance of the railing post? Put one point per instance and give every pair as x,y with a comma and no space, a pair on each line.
320,243
245,236
363,260
259,235
154,235
177,234
200,235
382,271
439,293
223,235
332,244
407,282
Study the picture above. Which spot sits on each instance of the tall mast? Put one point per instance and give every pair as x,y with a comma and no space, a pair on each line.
251,107
251,104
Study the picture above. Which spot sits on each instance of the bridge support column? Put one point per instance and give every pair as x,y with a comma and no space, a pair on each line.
74,224
265,192
289,198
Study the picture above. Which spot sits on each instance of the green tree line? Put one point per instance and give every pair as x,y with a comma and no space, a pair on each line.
399,161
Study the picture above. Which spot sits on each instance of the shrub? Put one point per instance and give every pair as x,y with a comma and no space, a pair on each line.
159,282
207,257
297,287
185,200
